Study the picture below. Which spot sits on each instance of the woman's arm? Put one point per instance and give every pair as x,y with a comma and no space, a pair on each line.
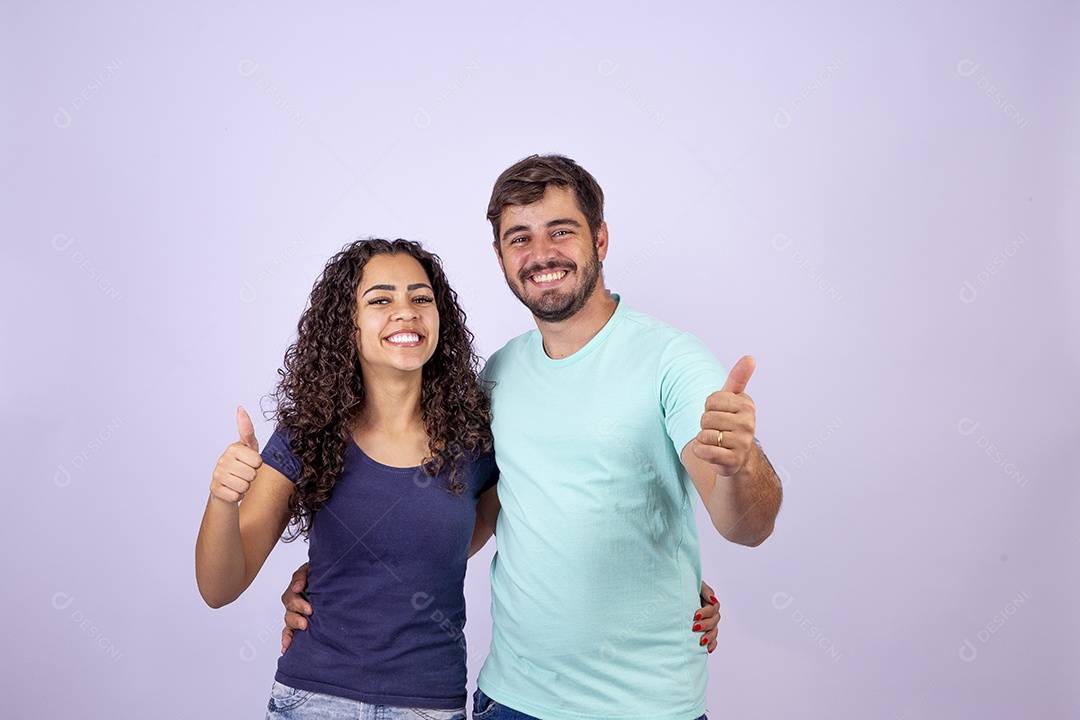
487,514
247,511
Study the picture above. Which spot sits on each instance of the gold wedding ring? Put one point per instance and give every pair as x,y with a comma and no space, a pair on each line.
720,439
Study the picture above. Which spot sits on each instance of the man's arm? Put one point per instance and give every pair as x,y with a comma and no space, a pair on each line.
735,480
487,515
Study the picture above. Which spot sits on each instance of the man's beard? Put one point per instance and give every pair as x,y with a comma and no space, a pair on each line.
553,305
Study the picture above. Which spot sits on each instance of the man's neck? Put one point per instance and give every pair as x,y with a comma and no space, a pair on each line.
563,339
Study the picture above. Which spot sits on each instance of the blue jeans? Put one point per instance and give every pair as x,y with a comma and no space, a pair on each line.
484,708
288,703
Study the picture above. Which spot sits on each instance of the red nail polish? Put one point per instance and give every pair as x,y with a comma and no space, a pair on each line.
697,617
697,627
714,600
710,650
704,641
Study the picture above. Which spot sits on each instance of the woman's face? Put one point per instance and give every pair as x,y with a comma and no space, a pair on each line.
396,316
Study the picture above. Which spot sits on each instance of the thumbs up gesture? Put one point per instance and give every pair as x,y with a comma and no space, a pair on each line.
235,469
727,426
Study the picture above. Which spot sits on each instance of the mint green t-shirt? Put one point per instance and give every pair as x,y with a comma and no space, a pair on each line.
597,574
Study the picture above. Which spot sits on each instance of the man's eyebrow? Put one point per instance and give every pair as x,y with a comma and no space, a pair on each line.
515,229
392,288
522,228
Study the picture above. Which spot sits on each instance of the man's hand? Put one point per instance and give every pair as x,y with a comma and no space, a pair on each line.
727,427
707,618
297,609
236,468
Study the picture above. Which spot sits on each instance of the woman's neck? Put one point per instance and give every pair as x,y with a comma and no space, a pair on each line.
392,405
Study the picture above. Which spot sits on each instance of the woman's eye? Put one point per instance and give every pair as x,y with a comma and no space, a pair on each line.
378,301
424,299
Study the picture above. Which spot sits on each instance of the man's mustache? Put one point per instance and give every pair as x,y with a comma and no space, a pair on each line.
551,265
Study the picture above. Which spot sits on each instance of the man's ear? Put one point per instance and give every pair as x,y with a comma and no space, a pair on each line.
498,254
602,241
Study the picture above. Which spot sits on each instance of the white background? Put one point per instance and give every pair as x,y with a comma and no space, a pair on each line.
877,200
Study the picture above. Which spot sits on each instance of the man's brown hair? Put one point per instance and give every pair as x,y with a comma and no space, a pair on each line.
526,181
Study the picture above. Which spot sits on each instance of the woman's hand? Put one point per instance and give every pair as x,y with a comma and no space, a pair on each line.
707,618
236,468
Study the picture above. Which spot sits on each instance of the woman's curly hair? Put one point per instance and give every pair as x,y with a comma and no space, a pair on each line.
321,391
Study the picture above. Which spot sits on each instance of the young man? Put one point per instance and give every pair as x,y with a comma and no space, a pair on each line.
605,421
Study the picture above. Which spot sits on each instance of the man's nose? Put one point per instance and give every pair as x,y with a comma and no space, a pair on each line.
544,249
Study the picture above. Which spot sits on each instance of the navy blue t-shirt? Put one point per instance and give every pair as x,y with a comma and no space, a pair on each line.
386,580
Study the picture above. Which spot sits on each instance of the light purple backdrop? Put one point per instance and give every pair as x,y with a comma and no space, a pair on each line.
878,200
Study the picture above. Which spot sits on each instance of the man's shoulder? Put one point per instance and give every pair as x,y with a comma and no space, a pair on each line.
513,347
653,337
659,332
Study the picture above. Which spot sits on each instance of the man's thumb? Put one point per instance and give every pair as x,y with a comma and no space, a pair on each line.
740,375
246,429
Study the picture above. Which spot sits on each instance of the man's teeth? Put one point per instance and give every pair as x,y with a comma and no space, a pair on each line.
403,338
549,277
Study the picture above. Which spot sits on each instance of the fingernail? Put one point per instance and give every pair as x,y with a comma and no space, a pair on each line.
714,600
698,616
710,650
697,627
704,641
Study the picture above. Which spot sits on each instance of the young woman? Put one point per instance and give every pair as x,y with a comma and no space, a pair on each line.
381,457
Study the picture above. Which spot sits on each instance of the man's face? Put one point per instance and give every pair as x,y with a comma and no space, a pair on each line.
548,255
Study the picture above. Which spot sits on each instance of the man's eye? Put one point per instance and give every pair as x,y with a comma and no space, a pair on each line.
515,241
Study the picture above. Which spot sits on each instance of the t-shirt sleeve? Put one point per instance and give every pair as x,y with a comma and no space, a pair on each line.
688,374
278,455
483,473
